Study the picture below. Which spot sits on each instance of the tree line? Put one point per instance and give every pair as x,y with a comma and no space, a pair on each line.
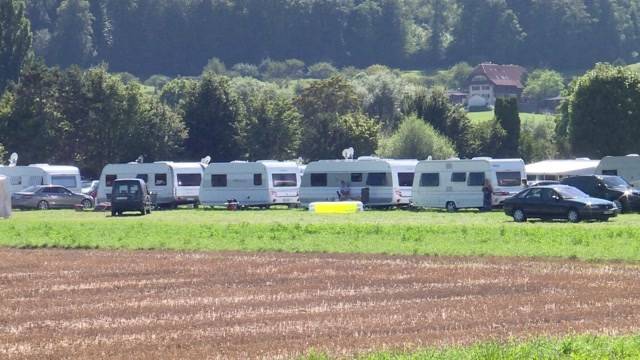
178,37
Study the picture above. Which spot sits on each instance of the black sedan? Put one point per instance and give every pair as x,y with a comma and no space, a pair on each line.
558,202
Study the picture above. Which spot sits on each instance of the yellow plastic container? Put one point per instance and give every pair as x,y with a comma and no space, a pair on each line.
341,207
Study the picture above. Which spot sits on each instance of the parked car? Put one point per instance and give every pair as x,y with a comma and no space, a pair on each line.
91,188
45,197
130,195
558,202
542,183
608,187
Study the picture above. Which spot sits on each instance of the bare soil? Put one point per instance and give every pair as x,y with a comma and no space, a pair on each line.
149,305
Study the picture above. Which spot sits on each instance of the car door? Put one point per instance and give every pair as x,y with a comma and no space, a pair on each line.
52,196
531,202
551,204
67,199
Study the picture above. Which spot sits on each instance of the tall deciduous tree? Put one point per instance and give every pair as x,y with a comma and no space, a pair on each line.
603,112
214,118
506,112
15,40
72,41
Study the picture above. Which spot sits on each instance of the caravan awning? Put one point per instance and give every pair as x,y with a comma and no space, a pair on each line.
563,167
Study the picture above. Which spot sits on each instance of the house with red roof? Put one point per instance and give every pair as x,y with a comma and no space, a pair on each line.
489,81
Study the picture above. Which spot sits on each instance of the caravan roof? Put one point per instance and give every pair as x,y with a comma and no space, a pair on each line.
56,169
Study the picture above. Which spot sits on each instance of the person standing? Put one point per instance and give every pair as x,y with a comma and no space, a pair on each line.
487,192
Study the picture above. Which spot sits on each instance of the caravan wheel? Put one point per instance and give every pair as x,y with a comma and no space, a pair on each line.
451,206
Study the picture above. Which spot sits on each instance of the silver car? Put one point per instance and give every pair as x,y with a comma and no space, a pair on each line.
45,197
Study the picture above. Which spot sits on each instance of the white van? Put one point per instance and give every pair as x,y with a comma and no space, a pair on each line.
261,183
627,167
456,184
21,177
172,183
560,169
372,180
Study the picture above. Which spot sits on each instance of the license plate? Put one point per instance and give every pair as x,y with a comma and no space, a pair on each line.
608,212
122,198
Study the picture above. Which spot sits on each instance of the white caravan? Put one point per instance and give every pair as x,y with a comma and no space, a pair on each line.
172,183
261,183
627,167
372,180
21,177
560,169
456,184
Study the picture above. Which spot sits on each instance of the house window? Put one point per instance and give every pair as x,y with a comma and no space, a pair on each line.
319,179
475,87
161,179
458,177
430,179
356,177
109,179
257,179
219,180
486,87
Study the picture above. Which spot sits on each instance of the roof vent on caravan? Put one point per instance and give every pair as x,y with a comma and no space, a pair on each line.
348,153
633,155
583,159
205,160
371,157
239,161
140,159
13,160
482,158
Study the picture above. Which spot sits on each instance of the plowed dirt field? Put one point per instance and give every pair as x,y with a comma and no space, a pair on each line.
95,304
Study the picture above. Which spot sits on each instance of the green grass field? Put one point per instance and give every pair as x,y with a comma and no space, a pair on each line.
482,116
582,347
465,233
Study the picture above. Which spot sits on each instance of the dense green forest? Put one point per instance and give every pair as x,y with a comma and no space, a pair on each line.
70,70
178,37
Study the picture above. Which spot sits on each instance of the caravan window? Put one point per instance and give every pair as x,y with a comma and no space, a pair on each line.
64,180
509,178
377,179
319,179
257,179
143,177
109,179
610,172
161,179
356,177
458,177
219,180
282,180
189,179
430,179
405,179
36,180
16,180
476,179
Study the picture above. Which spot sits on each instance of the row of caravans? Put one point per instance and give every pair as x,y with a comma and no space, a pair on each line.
21,177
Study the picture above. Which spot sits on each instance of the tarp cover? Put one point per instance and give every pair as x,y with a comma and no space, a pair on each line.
5,198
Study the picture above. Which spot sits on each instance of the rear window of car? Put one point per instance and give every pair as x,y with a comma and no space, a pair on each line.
130,188
189,179
430,179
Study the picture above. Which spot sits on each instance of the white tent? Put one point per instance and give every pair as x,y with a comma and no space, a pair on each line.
558,169
5,198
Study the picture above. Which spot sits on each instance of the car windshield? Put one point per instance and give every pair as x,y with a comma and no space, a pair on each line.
615,181
571,193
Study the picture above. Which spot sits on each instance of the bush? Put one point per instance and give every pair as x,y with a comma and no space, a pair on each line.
157,81
537,140
216,66
416,139
244,69
321,70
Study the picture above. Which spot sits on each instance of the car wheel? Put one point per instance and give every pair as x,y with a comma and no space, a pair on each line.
43,205
451,206
573,216
148,211
519,216
143,212
86,204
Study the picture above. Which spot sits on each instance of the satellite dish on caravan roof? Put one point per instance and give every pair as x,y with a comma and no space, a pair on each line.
13,159
429,158
205,160
347,154
140,159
